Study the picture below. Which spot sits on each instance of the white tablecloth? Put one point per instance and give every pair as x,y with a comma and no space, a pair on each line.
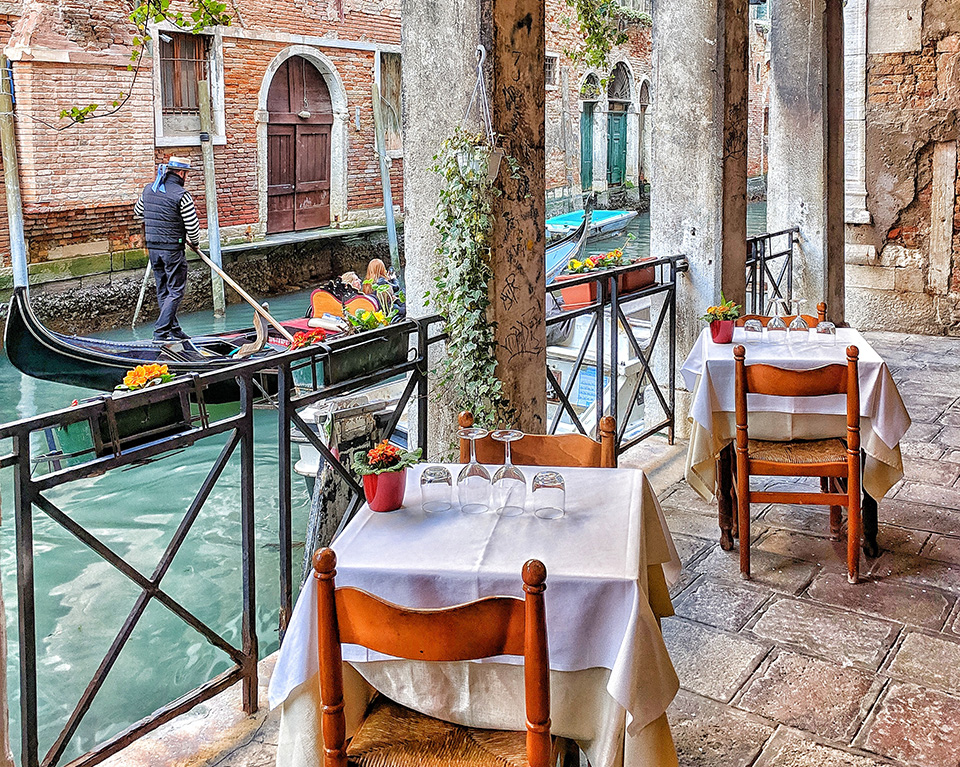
708,372
612,677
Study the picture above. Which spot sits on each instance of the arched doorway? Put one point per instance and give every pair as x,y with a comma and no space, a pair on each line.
589,93
298,148
644,160
618,97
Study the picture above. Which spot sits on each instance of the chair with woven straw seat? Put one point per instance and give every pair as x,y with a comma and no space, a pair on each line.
835,461
574,450
394,736
810,320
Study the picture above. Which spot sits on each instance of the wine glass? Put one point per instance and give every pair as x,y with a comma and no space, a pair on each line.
509,484
549,495
753,331
799,330
826,333
777,326
436,489
473,484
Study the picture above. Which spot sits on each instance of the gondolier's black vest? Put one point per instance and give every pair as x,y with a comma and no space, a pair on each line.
161,215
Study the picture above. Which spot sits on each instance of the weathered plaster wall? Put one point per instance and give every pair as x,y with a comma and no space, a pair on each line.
904,267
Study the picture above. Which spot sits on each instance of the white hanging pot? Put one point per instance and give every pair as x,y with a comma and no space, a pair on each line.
493,164
473,161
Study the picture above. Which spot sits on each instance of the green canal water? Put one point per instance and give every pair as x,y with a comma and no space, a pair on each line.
82,602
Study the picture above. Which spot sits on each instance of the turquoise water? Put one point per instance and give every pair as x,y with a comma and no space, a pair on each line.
82,601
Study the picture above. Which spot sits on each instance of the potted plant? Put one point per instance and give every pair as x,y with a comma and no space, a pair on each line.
578,296
384,472
722,318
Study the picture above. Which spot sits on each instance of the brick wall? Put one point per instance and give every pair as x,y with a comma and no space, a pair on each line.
759,100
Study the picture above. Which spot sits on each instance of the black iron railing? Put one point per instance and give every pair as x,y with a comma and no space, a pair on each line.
629,309
769,269
173,417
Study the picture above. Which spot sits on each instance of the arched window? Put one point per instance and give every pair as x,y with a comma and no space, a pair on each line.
619,87
590,90
645,94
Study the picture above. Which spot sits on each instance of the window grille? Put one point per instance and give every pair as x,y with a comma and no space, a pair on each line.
619,87
391,89
640,6
184,61
550,70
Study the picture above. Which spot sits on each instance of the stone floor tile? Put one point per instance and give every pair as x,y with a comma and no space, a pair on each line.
789,748
922,432
928,660
913,397
727,606
945,548
685,498
928,608
950,436
812,694
812,628
771,570
950,417
919,571
710,662
810,548
689,547
926,413
931,495
916,725
928,450
931,472
917,516
692,524
702,732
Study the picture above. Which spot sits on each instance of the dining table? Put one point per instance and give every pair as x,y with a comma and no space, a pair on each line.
610,560
708,372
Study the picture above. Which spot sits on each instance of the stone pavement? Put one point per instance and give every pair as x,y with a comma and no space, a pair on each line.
796,667
799,668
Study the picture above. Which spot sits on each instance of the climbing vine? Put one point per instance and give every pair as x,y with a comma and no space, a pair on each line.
598,22
464,221
199,15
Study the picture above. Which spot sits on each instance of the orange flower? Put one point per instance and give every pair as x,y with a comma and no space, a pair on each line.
383,455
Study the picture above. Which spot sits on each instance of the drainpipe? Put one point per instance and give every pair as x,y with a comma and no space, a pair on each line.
210,193
381,149
11,176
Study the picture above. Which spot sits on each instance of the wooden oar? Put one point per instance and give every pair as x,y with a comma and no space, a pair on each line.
143,290
244,295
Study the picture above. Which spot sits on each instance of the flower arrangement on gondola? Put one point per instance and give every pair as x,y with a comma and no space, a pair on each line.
143,376
367,319
307,338
722,318
384,472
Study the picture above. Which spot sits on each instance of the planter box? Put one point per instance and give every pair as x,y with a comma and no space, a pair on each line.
366,353
139,423
578,296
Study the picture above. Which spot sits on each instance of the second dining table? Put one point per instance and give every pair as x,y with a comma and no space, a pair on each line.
609,562
708,373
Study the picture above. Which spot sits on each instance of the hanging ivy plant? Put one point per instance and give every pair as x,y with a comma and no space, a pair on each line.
598,22
464,220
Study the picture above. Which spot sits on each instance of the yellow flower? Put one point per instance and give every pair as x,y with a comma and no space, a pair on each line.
381,317
574,264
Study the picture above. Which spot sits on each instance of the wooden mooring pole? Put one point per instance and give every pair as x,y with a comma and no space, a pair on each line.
210,190
381,148
11,177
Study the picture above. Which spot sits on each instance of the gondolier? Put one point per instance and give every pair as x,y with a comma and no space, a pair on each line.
170,222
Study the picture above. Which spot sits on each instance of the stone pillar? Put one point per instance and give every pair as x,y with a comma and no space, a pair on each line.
805,183
699,189
439,70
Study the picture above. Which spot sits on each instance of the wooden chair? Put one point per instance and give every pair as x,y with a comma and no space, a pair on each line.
548,449
357,303
393,736
811,321
834,461
324,302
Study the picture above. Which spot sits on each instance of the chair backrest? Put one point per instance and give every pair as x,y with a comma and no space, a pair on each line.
324,302
811,321
481,629
357,303
548,449
768,379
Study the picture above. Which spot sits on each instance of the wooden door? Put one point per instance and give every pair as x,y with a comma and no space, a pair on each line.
298,148
586,146
616,148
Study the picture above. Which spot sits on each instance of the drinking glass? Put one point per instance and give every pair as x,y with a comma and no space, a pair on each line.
436,489
509,484
548,495
753,331
799,330
777,327
826,333
473,484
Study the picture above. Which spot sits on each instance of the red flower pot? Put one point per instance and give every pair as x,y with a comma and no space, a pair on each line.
384,492
721,331
631,281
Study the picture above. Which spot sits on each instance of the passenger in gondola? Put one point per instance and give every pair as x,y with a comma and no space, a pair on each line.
385,286
170,222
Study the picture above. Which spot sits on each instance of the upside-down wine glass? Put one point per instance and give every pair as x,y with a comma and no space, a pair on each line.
436,489
799,330
777,327
549,494
473,484
509,484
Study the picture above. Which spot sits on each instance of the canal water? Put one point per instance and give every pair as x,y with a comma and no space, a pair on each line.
82,602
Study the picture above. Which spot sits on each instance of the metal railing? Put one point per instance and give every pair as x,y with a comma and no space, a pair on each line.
769,269
608,308
329,370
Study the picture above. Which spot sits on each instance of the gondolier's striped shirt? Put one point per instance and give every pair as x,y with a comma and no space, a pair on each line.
188,212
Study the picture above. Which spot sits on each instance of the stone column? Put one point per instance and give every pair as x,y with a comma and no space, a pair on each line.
806,176
699,188
439,70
